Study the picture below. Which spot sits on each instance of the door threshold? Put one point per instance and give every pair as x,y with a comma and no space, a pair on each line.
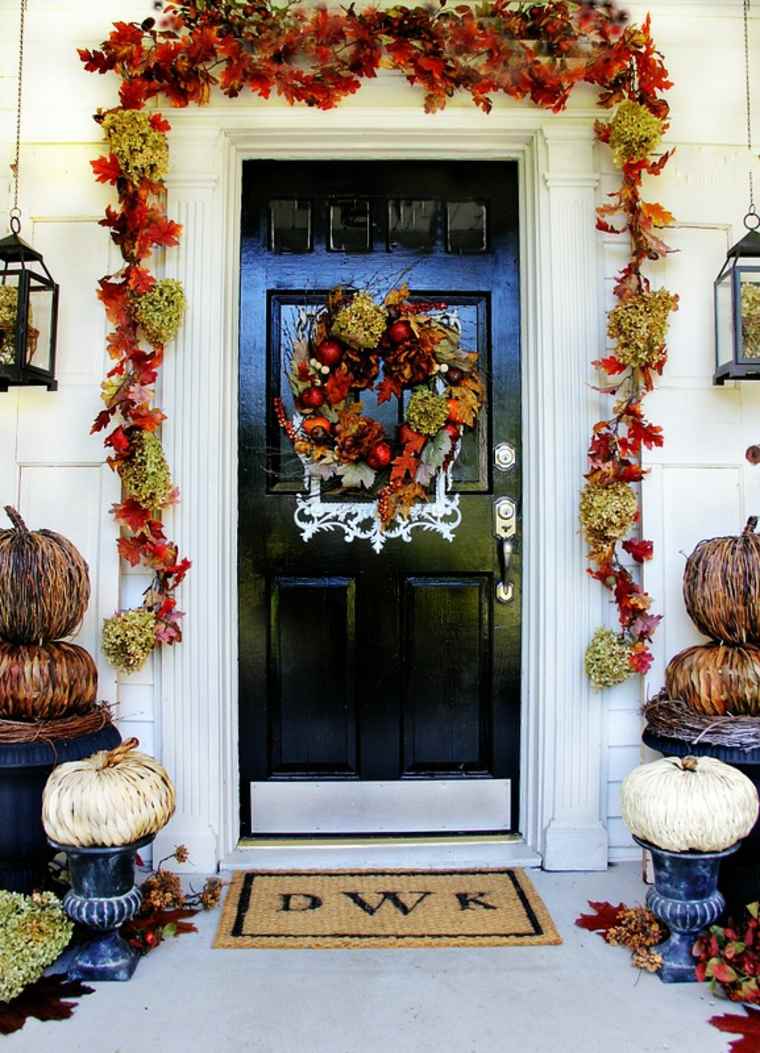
429,853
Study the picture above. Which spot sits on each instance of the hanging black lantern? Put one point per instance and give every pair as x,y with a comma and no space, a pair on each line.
737,310
28,294
737,287
28,315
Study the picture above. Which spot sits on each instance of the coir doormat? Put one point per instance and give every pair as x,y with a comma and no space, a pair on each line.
384,908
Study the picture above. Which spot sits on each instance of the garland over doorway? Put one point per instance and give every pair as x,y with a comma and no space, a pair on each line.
317,56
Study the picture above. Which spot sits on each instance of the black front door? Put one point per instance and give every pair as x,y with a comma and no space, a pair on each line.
356,666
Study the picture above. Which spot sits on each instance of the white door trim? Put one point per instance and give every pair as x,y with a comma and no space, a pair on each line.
562,720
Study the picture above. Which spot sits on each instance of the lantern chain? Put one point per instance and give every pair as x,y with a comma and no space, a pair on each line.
752,219
15,213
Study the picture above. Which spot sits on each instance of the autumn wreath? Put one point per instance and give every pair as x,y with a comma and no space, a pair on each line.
340,352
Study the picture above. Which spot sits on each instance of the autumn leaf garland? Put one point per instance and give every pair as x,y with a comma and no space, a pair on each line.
318,57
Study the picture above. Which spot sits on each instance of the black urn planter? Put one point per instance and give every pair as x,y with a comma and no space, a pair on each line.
24,769
739,878
103,896
685,897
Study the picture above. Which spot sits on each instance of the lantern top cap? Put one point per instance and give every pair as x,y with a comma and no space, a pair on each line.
748,246
14,250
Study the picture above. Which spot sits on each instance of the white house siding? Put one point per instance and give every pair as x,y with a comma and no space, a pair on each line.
699,485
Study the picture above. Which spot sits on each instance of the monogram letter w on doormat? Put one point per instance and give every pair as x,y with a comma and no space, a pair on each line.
384,908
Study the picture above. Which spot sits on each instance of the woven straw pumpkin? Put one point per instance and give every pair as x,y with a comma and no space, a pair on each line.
687,804
114,797
721,586
44,584
716,678
38,682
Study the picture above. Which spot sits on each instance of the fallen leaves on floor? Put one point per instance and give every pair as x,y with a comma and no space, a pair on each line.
605,916
44,999
748,1027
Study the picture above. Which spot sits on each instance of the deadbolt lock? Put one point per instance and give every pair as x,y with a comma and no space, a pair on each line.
504,457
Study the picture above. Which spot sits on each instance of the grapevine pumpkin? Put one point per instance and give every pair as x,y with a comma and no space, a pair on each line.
114,797
686,804
43,681
44,584
716,678
721,586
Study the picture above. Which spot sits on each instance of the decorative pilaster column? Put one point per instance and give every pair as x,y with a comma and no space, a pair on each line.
567,604
194,393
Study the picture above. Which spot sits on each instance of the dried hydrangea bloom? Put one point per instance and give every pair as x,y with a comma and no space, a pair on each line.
360,323
607,660
427,413
160,310
33,933
607,512
8,309
751,320
145,475
141,150
639,325
128,639
634,132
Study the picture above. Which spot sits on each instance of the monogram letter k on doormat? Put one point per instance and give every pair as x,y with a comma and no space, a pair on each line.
375,908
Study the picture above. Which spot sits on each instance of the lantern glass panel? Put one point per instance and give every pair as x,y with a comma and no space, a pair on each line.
724,321
40,327
749,314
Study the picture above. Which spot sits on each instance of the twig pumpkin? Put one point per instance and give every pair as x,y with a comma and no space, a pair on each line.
44,584
114,797
687,804
716,678
40,681
721,586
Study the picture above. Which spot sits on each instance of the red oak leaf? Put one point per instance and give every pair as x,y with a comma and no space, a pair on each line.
338,385
96,61
132,514
641,659
102,420
603,918
147,419
140,280
106,169
387,388
159,123
748,1027
640,550
130,548
610,365
44,1000
118,440
133,93
403,465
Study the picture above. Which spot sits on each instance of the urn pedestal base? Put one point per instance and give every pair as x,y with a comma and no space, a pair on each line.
685,897
103,896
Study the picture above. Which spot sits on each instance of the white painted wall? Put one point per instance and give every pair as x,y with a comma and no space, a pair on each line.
699,485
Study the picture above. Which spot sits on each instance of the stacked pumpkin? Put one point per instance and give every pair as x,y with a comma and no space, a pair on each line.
44,592
721,588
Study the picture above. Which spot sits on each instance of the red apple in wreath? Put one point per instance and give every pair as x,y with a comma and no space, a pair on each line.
312,398
379,456
329,353
400,331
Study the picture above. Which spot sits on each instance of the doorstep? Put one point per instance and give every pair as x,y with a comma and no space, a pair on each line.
346,853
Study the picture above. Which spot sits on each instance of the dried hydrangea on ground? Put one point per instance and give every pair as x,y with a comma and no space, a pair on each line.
34,931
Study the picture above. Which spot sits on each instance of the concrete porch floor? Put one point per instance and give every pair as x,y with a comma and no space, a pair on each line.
582,997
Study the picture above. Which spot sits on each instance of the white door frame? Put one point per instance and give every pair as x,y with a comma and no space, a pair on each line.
563,729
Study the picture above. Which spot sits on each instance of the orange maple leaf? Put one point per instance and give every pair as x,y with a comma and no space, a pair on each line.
106,169
656,214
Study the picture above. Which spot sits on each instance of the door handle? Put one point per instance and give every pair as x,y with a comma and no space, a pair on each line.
505,528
